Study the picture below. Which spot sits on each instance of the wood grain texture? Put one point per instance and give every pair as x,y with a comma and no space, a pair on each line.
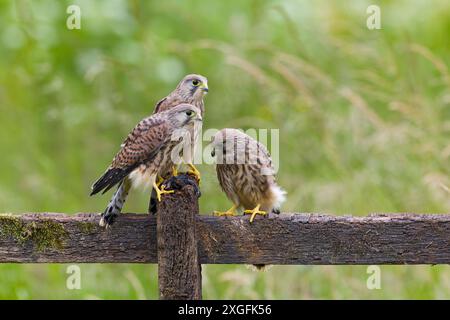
179,270
285,239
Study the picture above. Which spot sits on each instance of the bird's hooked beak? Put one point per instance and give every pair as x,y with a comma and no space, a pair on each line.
204,87
198,117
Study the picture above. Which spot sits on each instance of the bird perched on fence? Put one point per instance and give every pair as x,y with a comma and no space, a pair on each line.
144,155
191,89
246,175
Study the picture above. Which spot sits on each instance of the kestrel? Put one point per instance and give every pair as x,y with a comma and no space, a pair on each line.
144,156
246,175
191,89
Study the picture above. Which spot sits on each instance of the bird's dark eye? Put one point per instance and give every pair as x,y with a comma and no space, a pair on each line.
189,113
195,82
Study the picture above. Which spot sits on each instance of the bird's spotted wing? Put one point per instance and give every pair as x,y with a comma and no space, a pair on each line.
263,156
160,105
141,145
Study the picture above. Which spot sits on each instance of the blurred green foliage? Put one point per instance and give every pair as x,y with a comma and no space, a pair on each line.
364,118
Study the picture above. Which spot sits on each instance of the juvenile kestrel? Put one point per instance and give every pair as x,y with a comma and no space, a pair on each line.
191,89
246,175
144,156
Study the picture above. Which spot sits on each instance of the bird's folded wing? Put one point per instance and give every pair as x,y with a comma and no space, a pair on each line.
159,105
141,145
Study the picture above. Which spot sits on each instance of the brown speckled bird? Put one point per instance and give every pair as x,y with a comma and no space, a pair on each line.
144,156
191,89
246,175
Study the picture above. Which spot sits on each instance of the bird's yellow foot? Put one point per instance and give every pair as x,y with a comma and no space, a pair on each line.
254,212
194,172
160,191
160,181
229,212
174,171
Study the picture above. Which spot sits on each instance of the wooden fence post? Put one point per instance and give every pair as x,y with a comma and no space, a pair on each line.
179,270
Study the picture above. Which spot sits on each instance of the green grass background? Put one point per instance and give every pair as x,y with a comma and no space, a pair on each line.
364,119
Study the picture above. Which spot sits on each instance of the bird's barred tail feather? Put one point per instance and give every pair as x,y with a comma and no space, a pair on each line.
115,206
109,179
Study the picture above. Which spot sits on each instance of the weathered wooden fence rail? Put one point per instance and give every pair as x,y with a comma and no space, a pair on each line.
287,239
179,240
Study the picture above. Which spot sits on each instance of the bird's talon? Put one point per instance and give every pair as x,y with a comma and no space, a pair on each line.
229,212
160,181
194,171
161,191
224,213
254,212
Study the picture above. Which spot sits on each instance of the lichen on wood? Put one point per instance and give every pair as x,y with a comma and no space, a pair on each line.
42,233
87,227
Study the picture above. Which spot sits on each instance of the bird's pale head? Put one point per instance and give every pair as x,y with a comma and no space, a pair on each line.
192,88
184,115
225,139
